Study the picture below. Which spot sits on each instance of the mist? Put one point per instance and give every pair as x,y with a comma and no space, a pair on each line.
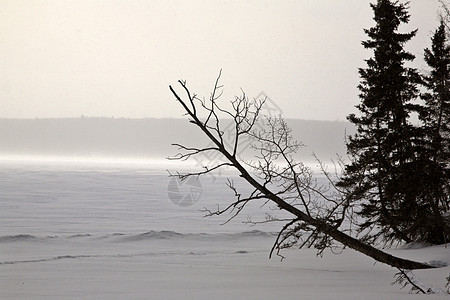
148,139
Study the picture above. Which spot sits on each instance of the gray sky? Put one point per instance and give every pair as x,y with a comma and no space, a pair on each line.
108,58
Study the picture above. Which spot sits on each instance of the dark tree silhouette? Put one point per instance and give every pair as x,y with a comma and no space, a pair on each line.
436,113
384,175
318,217
435,154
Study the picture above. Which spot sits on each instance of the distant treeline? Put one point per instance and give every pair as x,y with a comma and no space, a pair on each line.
142,138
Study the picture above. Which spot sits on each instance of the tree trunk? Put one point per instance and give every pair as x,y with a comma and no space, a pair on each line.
323,227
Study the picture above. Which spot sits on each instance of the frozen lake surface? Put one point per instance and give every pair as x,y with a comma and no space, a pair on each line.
47,199
113,231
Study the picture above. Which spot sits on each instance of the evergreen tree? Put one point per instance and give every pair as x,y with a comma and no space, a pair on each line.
435,116
382,175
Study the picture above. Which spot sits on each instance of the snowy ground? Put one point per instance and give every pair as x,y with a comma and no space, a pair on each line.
91,232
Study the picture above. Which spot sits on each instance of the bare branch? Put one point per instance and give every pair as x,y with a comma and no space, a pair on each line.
316,214
277,242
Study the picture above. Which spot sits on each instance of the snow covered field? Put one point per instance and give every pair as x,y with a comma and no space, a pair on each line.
110,231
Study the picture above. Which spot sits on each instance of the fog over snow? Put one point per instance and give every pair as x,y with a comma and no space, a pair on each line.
144,139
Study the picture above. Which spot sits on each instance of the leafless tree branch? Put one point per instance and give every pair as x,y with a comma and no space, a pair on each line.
317,211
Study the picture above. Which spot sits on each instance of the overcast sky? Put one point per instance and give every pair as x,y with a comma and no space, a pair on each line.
116,58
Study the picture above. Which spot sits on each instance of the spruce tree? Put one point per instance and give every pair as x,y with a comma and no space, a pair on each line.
435,156
436,113
384,148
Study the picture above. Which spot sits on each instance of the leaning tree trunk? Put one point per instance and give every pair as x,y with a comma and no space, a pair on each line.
320,225
325,228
